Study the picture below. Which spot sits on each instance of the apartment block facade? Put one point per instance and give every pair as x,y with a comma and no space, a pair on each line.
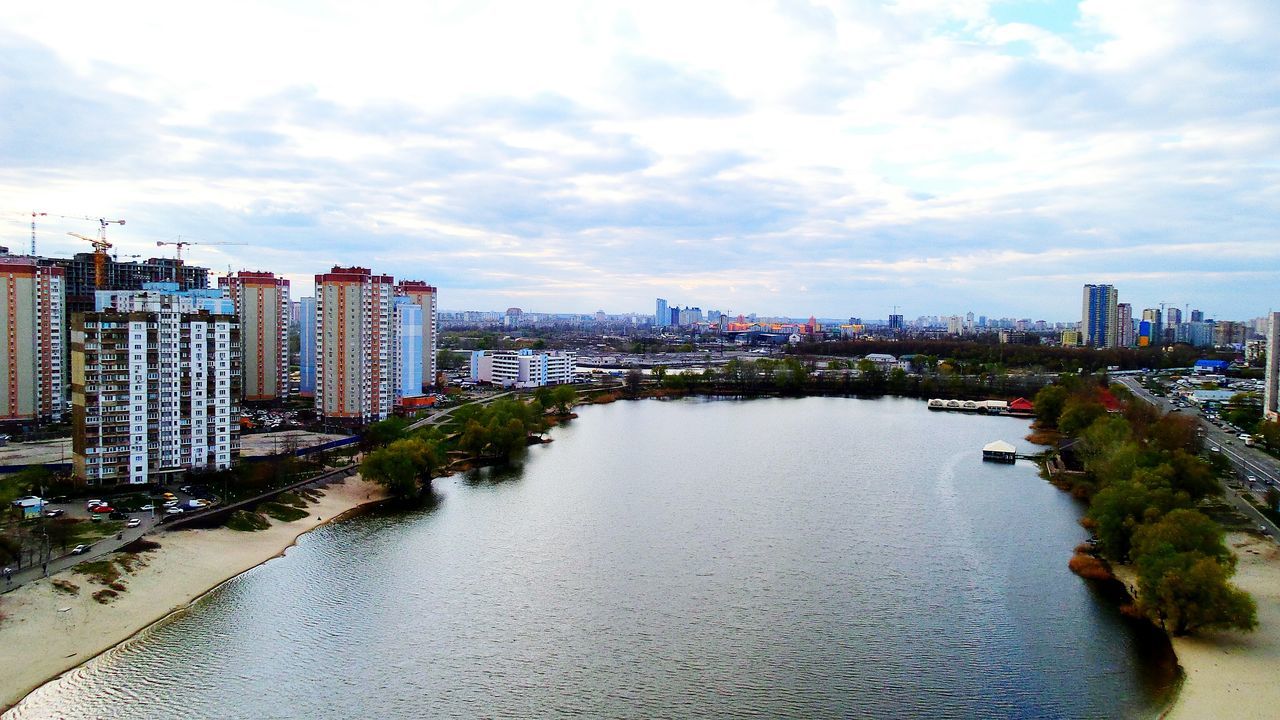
1271,390
262,302
1099,324
424,296
354,345
306,320
155,385
406,360
33,325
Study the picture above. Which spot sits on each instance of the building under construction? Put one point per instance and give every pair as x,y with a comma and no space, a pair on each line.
81,278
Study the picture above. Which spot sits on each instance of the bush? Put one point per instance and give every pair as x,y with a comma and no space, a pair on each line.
104,596
66,586
288,498
1089,567
245,521
103,572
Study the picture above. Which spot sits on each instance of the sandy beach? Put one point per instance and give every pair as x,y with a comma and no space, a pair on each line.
1233,675
47,632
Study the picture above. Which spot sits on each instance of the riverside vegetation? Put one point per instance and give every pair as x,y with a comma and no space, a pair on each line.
1143,478
404,461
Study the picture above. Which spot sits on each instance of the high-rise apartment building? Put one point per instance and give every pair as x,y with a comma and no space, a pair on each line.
1151,328
424,296
307,347
354,340
1172,317
1271,390
1099,324
155,385
1197,316
406,356
81,276
661,314
34,331
1124,321
261,301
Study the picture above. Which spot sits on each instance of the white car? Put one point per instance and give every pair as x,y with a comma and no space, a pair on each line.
133,523
171,504
147,507
174,511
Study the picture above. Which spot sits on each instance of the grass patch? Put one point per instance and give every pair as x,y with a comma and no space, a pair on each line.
245,521
103,572
288,498
66,587
105,595
283,513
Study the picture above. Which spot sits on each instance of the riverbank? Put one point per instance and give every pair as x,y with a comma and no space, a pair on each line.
1229,674
47,632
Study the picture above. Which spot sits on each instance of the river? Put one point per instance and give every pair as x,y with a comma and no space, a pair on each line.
805,558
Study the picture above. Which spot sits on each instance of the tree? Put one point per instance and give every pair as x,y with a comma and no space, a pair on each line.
1049,403
564,397
384,432
1182,531
633,381
1186,592
401,465
1121,507
1079,413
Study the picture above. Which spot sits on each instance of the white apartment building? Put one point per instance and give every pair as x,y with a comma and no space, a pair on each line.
523,368
155,385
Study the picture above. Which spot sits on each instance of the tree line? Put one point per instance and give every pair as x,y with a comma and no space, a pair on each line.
1142,479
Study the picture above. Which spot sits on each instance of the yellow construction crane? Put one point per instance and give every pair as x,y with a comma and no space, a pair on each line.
100,248
180,243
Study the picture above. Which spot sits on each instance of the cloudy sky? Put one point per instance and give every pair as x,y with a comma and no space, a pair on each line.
791,157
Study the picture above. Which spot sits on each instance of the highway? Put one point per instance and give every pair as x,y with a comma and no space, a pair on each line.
1246,460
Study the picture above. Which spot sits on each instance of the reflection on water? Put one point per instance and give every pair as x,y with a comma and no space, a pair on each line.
806,558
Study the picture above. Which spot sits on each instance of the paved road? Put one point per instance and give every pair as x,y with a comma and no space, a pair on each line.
437,417
100,548
1246,460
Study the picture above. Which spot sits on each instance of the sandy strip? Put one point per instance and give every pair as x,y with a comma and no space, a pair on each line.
1234,675
47,632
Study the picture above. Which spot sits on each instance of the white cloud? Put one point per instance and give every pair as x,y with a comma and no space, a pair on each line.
580,155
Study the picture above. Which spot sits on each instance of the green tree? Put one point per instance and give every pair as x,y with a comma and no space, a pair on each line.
1182,531
1188,591
384,432
401,466
564,397
1049,403
1079,413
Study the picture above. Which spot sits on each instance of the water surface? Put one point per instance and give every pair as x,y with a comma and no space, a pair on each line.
824,557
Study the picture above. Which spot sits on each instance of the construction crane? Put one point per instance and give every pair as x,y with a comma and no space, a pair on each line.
180,243
34,215
100,248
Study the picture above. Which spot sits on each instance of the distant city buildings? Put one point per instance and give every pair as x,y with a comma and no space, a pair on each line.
262,303
661,313
1099,325
523,368
155,385
35,336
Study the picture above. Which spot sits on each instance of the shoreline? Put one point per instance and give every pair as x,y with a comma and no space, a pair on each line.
72,630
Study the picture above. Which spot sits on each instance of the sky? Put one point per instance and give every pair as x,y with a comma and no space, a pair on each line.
786,158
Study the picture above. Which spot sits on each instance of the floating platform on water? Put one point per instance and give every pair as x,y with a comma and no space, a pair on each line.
999,451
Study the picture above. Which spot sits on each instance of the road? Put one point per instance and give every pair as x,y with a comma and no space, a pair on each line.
1246,460
103,547
437,417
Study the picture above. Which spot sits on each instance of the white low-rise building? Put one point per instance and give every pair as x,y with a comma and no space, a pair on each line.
523,368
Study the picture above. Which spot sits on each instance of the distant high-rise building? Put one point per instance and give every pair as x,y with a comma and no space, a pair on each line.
1172,317
424,296
262,301
1197,316
1229,334
307,347
1153,334
155,385
661,314
895,322
1099,323
34,331
1124,322
354,345
1271,391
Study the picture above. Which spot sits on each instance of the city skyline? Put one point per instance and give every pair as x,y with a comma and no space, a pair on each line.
790,158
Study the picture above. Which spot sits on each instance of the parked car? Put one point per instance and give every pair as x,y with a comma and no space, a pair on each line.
174,511
171,503
93,504
80,549
133,523
54,513
117,515
102,509
170,496
147,507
